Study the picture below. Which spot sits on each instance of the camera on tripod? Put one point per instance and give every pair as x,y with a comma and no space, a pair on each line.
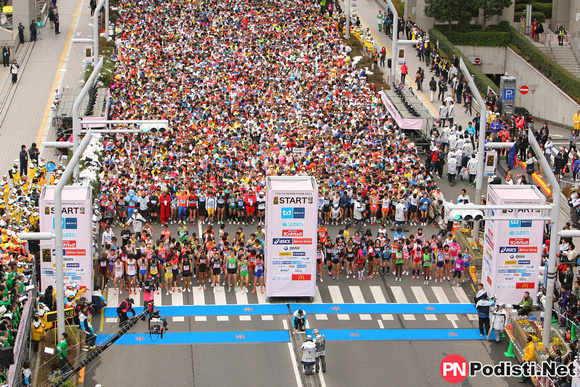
157,324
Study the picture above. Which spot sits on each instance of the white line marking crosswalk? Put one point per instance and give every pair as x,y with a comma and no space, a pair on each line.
460,294
440,294
336,295
399,295
378,295
419,294
357,295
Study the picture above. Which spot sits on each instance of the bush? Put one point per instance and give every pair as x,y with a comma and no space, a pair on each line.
569,83
106,74
447,49
535,15
519,7
544,8
479,38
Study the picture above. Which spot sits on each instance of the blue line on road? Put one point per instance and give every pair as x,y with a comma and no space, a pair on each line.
399,334
201,338
258,309
386,308
211,310
284,336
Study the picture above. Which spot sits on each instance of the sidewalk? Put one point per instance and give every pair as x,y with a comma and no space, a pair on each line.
44,65
367,12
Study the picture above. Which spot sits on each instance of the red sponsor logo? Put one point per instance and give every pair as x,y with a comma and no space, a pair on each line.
302,241
519,241
75,252
69,244
454,368
524,285
488,280
491,245
292,233
300,277
529,249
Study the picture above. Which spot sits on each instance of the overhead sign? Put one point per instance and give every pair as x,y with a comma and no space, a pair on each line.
524,89
509,94
291,243
77,237
490,162
512,247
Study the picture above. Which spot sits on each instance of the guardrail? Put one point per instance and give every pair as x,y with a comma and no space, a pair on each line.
557,40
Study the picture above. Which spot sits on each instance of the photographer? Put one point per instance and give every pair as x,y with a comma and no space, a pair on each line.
86,326
125,307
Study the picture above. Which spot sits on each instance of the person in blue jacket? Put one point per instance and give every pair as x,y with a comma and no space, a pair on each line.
299,321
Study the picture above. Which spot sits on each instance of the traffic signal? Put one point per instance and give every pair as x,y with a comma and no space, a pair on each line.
465,212
389,62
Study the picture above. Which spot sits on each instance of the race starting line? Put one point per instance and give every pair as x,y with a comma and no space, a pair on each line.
283,336
278,309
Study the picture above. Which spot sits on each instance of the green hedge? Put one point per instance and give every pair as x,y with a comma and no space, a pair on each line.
477,38
546,9
447,49
535,15
569,83
520,7
503,26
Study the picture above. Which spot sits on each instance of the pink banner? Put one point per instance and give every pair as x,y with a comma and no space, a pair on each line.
404,123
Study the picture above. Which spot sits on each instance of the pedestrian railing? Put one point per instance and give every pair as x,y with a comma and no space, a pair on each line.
557,40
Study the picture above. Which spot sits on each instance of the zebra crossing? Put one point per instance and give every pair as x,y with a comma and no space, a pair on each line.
325,294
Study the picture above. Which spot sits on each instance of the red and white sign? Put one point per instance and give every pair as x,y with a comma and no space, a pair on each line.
454,368
292,233
302,241
524,89
69,244
519,241
475,59
75,252
529,250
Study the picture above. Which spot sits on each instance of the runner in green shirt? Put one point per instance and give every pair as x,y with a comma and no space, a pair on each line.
399,263
244,274
232,268
426,264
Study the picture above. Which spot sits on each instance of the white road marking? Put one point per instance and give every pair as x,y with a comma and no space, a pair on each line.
381,325
365,317
137,299
343,316
461,296
178,319
335,295
440,294
409,317
111,319
378,295
262,299
245,318
399,295
387,317
285,324
472,317
419,294
267,317
322,381
293,356
241,298
157,298
357,295
453,319
200,318
223,318
321,316
220,296
430,317
112,299
176,299
198,296
317,297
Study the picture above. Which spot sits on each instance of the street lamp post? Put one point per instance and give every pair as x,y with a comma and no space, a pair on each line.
555,219
347,35
77,105
394,39
481,143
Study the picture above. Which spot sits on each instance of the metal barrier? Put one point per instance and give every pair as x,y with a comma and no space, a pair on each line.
22,348
557,40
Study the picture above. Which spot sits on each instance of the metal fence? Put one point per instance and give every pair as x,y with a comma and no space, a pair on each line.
22,348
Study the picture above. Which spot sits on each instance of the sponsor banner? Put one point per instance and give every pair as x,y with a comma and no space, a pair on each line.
515,244
291,221
77,237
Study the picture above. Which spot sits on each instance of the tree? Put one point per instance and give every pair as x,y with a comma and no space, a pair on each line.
446,11
492,8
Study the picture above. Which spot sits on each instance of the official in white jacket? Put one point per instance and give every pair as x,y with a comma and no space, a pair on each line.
498,321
